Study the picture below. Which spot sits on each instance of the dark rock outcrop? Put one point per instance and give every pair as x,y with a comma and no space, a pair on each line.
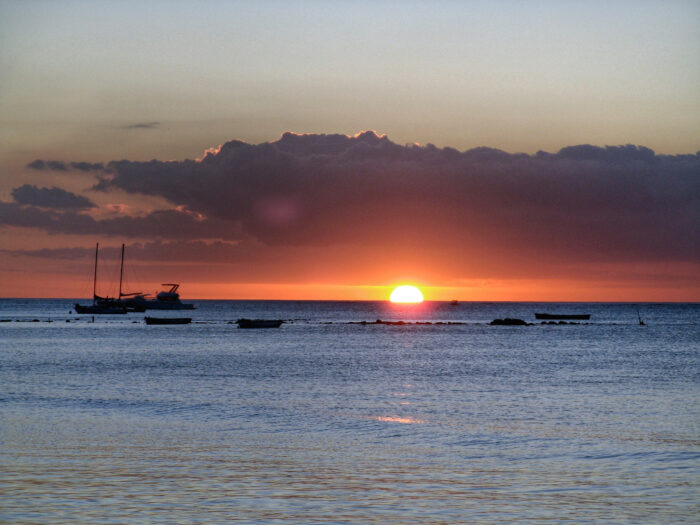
509,322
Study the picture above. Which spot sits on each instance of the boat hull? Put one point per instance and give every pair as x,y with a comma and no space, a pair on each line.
141,305
162,305
580,317
168,320
259,323
138,308
96,309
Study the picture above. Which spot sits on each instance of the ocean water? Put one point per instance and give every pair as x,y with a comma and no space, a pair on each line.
326,421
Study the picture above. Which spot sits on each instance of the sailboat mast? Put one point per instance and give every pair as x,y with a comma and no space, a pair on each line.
94,281
121,273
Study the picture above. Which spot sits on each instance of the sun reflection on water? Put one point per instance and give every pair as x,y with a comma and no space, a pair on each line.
396,419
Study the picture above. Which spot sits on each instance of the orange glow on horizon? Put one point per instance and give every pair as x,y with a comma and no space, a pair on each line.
60,285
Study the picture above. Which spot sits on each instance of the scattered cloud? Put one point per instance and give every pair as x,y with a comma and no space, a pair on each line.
159,224
87,166
59,165
71,253
142,125
54,165
55,198
37,164
213,251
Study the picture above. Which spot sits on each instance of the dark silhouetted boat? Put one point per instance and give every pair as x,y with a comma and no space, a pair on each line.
165,300
641,323
100,305
552,317
126,299
103,307
168,320
140,302
259,323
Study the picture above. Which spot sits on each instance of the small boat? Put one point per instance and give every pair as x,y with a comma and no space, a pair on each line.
100,305
454,302
168,320
581,317
259,323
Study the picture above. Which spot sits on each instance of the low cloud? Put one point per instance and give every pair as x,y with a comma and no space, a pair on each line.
482,207
160,224
214,251
596,202
72,253
55,198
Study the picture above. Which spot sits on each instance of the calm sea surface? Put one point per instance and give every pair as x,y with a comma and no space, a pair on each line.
325,421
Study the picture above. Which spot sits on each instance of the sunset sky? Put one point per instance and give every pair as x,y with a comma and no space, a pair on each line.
333,150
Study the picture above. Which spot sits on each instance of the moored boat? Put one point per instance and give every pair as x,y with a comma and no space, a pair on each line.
168,320
100,305
140,302
165,300
131,302
100,309
259,323
580,317
125,299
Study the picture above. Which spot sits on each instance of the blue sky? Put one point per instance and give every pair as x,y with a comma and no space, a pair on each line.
521,76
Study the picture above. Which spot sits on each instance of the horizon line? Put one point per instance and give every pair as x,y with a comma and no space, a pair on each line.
472,301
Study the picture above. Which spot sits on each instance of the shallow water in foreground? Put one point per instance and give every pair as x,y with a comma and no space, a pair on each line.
325,421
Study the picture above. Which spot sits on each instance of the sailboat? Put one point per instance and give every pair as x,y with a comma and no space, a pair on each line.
100,305
128,299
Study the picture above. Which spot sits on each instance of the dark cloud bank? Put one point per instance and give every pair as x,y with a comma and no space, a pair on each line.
581,203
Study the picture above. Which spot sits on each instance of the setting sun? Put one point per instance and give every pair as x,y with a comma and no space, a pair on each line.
406,294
